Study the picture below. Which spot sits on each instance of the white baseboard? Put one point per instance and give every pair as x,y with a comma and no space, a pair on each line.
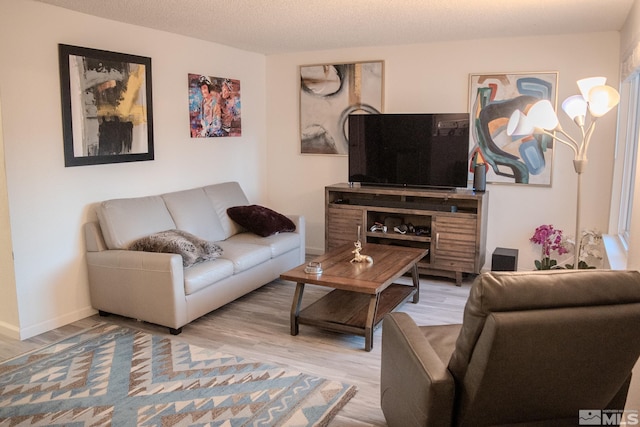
314,251
42,327
10,331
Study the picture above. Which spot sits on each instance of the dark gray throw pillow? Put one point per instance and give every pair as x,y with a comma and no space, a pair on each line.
260,220
192,248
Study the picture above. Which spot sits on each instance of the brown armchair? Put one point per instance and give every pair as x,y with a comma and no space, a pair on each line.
534,349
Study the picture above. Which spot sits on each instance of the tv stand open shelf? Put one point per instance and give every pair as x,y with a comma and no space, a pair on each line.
451,224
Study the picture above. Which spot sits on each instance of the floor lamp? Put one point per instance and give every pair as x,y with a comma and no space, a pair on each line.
596,100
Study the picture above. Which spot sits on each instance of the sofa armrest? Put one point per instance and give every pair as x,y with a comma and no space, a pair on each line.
147,286
416,387
93,237
300,223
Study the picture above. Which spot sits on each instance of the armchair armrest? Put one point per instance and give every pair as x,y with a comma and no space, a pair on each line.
416,387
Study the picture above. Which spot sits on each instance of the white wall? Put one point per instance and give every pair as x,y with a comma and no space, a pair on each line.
48,203
434,78
8,297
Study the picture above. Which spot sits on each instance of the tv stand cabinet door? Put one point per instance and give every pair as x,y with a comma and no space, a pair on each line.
454,243
342,225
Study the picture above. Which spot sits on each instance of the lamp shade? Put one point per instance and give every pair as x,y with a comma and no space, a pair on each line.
602,99
585,85
576,107
541,115
519,125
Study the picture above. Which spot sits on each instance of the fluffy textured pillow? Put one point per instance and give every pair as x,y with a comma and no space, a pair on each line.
193,249
260,220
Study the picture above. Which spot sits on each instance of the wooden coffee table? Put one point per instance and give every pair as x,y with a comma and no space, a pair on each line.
363,293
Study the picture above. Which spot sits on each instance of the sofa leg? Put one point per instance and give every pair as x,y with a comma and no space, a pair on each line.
103,313
175,331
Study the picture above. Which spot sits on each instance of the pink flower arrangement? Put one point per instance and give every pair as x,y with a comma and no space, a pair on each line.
551,240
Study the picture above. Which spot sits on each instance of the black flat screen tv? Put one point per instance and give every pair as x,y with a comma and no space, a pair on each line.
409,150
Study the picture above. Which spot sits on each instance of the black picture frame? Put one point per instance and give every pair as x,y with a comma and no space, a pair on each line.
107,114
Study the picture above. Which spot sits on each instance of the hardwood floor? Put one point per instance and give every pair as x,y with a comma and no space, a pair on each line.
256,327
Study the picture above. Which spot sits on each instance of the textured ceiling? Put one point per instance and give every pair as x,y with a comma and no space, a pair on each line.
279,26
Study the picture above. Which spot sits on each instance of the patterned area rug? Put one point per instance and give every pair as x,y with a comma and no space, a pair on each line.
112,375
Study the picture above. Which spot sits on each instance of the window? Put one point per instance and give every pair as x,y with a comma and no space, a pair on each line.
629,133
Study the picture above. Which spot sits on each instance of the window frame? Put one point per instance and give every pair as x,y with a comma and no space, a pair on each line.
628,141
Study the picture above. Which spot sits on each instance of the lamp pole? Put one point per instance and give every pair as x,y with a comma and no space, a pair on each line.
579,166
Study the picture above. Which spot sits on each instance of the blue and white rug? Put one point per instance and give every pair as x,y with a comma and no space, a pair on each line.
116,376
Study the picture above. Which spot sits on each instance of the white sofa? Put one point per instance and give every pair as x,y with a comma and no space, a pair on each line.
155,287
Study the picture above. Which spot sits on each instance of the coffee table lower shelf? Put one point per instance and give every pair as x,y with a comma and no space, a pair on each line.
353,312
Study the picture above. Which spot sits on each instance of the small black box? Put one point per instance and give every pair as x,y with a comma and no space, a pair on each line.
504,259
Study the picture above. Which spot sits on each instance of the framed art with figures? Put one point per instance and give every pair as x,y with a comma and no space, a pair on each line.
214,106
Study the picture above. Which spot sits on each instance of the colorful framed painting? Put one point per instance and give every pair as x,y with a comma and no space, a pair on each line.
328,94
492,100
214,106
107,112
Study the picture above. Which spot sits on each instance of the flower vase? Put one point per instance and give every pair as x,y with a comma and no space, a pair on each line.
546,263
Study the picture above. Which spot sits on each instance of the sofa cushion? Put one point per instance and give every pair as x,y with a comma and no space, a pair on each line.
516,291
192,211
261,220
223,196
190,247
124,220
278,243
244,255
206,273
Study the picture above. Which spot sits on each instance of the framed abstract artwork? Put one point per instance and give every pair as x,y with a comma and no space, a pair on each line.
214,106
492,100
328,94
107,112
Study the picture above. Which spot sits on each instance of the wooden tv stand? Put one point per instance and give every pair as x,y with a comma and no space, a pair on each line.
456,223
